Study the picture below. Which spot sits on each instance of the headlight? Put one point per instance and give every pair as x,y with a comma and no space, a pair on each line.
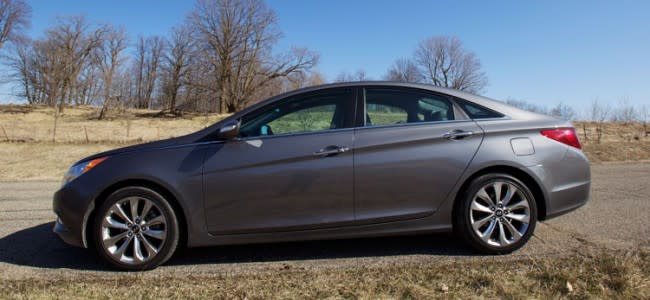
80,168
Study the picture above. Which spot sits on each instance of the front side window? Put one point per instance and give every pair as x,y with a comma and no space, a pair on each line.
302,114
394,106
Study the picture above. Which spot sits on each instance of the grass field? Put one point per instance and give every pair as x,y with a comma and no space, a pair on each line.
31,148
604,275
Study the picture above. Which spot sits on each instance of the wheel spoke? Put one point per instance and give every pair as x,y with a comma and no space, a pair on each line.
480,207
155,221
513,231
503,240
145,209
120,251
521,204
156,234
117,209
150,248
137,250
478,224
111,241
134,208
512,190
112,223
524,218
484,195
497,186
488,232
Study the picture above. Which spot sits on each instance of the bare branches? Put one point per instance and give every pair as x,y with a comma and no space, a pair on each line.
237,39
176,66
359,75
443,61
599,114
14,19
108,58
148,60
563,111
222,59
404,70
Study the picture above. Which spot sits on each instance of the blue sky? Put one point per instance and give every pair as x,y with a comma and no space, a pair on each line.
544,52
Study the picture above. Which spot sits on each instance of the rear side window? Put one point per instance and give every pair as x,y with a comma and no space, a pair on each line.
395,106
476,111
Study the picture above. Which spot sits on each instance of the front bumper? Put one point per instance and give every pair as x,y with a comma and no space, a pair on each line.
66,235
72,205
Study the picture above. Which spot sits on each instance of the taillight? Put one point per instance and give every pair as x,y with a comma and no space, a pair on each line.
566,136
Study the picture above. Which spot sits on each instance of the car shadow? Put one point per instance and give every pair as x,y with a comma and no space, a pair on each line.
39,247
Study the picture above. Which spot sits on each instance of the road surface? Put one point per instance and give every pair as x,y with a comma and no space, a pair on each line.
615,218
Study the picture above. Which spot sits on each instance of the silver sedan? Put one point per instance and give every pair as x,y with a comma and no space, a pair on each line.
334,161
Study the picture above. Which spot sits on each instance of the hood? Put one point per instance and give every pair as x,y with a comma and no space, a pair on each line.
187,139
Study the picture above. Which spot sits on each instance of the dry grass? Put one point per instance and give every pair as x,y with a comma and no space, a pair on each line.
27,150
43,161
80,125
579,276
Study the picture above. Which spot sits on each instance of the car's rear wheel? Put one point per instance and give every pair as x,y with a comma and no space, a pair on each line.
135,229
496,214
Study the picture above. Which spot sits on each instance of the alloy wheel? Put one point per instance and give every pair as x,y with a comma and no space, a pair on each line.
133,230
500,214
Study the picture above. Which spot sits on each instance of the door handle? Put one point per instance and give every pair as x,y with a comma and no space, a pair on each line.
331,150
457,134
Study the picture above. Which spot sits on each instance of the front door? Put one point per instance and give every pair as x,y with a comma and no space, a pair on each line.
291,168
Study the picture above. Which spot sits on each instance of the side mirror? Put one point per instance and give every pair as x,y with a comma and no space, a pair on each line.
229,130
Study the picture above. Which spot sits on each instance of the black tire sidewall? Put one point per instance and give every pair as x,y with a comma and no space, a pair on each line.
463,224
171,241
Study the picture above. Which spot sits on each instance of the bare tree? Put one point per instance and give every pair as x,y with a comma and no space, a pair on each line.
359,75
21,64
177,62
149,54
108,58
624,112
443,61
14,19
522,104
238,37
563,112
599,114
404,70
73,41
644,115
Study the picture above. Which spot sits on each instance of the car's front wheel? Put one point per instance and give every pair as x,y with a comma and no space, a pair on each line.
135,229
496,214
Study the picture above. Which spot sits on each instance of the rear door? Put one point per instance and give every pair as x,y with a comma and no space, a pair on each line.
412,149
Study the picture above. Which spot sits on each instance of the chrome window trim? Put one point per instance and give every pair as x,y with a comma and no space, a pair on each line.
415,124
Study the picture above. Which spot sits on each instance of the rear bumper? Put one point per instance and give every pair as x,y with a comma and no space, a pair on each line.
567,199
566,182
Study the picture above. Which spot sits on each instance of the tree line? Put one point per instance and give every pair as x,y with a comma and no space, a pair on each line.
220,58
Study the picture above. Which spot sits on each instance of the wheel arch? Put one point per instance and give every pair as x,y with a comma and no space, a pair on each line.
165,192
527,179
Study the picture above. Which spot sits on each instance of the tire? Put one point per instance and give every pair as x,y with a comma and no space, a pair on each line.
488,227
137,243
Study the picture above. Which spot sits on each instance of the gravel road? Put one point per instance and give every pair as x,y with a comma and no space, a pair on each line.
616,217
